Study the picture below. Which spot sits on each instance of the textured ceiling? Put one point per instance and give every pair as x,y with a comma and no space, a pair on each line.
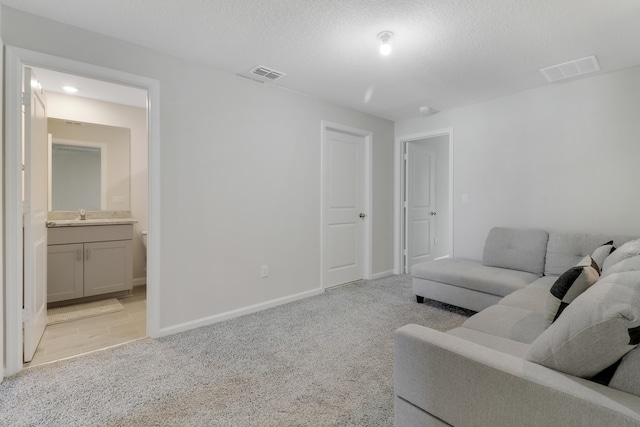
447,53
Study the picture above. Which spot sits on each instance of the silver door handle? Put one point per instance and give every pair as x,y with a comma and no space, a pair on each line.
362,215
432,213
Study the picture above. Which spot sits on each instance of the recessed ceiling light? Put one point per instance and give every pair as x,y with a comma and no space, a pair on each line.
70,89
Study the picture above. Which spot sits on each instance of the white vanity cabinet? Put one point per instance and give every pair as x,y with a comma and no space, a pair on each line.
90,260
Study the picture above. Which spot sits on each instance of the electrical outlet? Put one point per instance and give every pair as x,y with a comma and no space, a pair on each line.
264,271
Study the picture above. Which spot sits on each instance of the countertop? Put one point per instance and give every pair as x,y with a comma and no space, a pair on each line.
87,222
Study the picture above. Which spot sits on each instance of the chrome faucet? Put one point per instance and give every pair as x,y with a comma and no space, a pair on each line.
83,214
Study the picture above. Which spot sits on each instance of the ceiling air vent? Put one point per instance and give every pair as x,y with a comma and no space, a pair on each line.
267,73
571,69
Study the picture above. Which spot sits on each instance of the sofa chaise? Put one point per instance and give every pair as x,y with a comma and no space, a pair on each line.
554,342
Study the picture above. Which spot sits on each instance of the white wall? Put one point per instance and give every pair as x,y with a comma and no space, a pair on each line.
562,157
240,166
126,119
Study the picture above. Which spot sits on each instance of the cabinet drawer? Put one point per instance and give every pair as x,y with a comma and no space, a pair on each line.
90,233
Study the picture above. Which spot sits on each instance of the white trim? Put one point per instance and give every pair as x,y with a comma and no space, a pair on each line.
381,275
15,58
368,202
4,283
398,217
210,320
104,154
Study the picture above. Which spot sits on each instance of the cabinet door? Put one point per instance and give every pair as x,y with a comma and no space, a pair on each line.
64,272
108,267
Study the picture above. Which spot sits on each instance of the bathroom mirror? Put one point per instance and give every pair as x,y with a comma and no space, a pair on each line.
89,166
78,176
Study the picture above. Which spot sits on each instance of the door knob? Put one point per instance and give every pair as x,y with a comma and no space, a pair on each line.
432,213
362,215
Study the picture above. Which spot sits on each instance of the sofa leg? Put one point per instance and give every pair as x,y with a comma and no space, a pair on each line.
419,299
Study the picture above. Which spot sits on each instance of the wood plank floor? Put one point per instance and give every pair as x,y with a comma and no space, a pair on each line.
94,333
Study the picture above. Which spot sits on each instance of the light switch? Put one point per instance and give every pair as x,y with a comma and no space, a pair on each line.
465,198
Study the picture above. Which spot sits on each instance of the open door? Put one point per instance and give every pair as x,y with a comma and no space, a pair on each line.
420,205
34,115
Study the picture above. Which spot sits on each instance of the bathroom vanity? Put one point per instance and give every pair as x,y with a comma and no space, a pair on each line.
87,258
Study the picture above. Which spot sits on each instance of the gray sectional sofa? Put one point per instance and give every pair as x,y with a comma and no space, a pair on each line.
506,365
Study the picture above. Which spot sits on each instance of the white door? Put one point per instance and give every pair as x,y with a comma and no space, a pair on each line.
344,216
34,213
420,212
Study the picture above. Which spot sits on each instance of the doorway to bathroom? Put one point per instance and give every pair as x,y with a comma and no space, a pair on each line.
100,108
97,162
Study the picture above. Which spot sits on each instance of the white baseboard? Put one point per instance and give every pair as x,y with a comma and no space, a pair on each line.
140,281
382,274
235,313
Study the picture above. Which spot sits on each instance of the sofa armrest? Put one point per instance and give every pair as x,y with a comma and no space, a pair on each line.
466,384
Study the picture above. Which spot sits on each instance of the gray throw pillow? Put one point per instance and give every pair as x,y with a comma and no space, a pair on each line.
595,331
569,286
602,252
627,375
629,264
627,250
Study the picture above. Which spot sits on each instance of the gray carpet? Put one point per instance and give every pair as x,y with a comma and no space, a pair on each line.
323,361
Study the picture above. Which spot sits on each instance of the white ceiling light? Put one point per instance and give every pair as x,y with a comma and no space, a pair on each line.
385,47
70,89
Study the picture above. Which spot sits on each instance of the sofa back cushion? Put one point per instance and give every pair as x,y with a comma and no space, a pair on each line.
516,249
565,250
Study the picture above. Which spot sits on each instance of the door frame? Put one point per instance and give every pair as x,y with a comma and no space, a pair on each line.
399,191
15,59
367,171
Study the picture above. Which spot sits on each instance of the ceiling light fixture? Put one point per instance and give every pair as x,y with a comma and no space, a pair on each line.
70,89
385,47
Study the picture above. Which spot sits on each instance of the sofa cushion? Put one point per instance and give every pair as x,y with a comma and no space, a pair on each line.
516,249
504,345
564,250
572,283
627,376
602,252
514,323
473,275
532,298
597,329
628,250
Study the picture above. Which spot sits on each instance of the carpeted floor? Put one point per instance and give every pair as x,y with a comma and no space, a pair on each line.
322,361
